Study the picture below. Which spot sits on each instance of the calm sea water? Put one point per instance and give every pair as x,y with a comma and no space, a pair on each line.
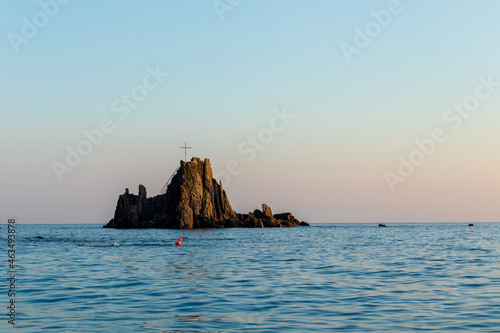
325,278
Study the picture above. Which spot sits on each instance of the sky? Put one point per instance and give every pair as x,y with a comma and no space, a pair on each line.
338,111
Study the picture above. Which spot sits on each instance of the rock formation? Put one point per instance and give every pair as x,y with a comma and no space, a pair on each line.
193,200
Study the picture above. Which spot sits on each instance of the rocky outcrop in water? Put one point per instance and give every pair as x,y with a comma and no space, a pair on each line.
193,200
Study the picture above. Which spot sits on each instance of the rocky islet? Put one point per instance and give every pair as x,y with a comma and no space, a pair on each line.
194,199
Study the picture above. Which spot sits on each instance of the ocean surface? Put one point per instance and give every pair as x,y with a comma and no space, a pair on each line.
325,278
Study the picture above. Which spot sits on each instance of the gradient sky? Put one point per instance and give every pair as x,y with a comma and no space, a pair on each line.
352,120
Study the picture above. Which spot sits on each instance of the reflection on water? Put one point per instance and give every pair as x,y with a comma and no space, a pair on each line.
346,278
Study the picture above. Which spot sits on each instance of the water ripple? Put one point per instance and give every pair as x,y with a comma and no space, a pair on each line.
341,278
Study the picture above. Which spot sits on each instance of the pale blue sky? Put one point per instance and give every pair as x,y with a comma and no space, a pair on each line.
352,120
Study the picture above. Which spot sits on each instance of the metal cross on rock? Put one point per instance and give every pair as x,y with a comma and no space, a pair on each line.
185,151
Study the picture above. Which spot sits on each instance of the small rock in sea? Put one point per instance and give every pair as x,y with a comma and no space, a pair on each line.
40,237
380,225
304,224
471,225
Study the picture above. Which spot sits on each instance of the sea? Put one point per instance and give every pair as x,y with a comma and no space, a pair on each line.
407,277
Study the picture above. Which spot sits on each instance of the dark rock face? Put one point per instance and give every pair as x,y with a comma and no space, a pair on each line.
193,200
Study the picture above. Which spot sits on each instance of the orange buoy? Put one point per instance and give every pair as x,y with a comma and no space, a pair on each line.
179,241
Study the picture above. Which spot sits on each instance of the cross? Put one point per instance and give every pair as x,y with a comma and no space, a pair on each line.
185,151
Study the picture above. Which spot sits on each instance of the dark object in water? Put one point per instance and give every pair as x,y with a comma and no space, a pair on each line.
380,225
471,225
40,237
304,224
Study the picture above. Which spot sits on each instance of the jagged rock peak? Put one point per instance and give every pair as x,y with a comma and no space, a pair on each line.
194,199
